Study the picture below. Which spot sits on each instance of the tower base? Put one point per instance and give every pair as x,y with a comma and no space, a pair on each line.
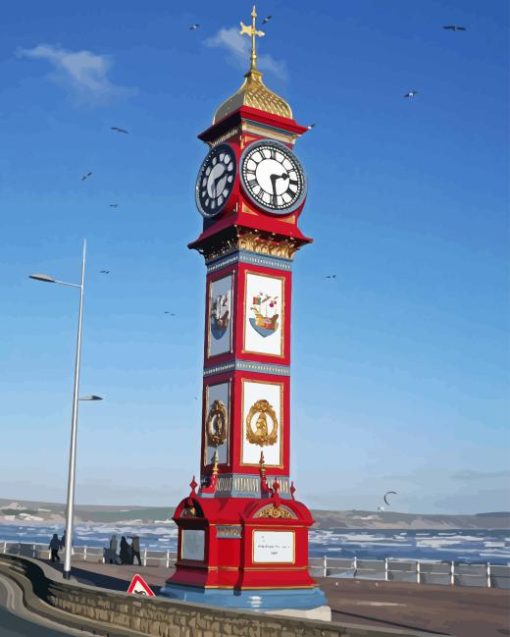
309,603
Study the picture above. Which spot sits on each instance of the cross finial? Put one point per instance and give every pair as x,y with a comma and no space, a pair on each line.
252,31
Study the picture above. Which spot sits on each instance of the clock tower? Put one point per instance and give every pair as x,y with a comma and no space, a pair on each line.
242,533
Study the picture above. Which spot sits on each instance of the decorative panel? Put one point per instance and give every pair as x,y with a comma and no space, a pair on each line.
262,424
217,422
264,314
219,331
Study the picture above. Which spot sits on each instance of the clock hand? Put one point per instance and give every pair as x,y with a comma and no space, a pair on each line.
273,179
216,182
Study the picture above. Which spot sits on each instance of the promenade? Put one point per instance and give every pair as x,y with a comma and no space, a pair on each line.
456,611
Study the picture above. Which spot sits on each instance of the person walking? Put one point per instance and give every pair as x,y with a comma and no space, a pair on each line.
54,547
124,551
135,549
63,541
112,551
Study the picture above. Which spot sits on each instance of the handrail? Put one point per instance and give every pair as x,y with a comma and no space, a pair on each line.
389,569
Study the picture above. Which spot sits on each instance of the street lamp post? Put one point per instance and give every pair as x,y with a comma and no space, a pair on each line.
74,419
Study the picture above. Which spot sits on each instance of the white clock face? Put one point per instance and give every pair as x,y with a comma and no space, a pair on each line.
215,180
272,177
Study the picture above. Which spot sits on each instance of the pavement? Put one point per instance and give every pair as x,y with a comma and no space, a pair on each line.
17,621
453,610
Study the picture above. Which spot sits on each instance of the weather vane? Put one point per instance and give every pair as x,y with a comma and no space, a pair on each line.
252,31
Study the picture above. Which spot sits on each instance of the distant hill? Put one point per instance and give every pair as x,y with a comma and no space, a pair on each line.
23,511
355,519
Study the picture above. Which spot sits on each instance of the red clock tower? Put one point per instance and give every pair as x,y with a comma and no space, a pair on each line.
243,536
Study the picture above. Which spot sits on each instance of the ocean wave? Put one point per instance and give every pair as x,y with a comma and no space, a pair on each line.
408,545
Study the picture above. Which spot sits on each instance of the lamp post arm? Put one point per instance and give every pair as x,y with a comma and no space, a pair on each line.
71,285
74,425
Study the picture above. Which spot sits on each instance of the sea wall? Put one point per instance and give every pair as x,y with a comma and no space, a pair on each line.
86,607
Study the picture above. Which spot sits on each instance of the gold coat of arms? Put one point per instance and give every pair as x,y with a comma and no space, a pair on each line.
216,424
262,435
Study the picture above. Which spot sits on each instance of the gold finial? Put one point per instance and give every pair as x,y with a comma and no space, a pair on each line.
215,460
252,31
262,464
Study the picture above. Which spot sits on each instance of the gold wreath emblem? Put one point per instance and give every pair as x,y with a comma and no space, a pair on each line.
261,434
216,424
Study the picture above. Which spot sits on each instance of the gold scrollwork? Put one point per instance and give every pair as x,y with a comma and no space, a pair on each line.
261,434
275,513
260,243
216,424
254,242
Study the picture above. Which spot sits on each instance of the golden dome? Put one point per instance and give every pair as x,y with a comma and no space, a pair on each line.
254,93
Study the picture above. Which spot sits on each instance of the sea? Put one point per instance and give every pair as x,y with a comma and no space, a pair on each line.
471,546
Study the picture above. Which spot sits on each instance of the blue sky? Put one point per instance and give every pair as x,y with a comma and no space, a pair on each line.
400,363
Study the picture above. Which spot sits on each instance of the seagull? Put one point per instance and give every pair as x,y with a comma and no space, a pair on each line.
86,175
266,19
114,205
310,126
119,130
104,271
331,276
454,27
194,27
411,94
171,313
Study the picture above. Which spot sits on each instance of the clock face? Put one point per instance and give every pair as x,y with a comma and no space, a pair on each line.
215,180
272,177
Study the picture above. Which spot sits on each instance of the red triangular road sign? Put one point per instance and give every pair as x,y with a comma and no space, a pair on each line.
139,586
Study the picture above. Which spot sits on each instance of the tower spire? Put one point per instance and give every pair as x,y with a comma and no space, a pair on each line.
253,33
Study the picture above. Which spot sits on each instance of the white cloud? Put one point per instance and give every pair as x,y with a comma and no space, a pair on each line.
239,49
84,73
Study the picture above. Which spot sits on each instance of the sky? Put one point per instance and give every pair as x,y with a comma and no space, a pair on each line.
399,363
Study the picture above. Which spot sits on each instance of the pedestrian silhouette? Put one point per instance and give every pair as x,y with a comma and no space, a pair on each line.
135,549
63,541
54,548
111,552
125,557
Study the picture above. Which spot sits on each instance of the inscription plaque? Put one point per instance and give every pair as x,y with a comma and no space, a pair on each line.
273,547
192,545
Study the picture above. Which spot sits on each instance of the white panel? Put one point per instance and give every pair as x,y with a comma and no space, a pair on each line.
192,545
252,392
220,316
273,546
218,392
264,314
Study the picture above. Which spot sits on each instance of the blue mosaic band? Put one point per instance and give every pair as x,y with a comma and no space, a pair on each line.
247,366
253,258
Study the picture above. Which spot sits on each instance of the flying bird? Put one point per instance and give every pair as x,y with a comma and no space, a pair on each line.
119,130
330,276
171,313
114,205
454,27
194,27
104,271
411,94
385,496
86,175
266,19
